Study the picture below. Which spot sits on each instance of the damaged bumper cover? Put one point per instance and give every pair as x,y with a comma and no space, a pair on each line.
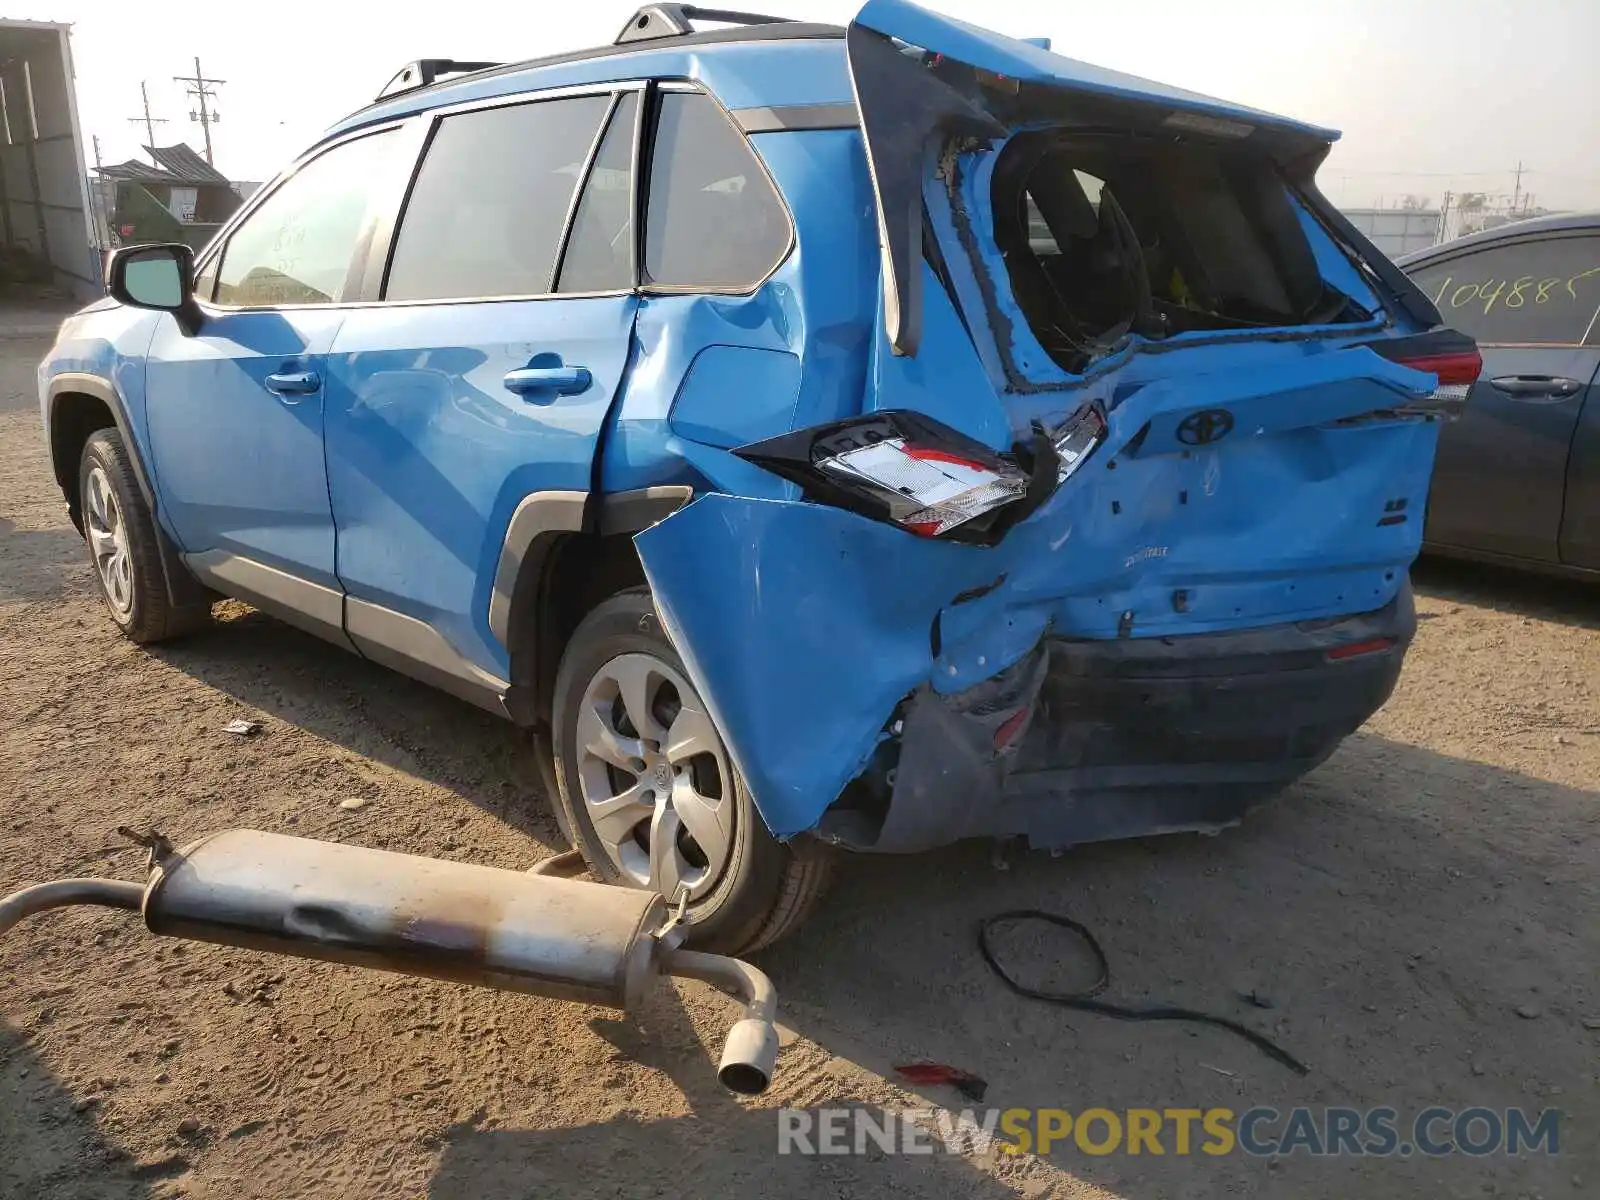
1087,741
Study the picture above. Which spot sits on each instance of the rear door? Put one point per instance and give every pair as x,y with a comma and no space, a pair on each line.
484,370
1500,479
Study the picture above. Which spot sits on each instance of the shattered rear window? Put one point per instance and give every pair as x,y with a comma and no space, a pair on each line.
1107,236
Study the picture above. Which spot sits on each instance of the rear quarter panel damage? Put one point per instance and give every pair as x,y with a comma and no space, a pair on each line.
803,626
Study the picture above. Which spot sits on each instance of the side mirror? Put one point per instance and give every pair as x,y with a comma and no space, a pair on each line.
159,277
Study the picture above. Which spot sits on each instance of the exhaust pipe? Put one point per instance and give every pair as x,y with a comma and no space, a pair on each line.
514,931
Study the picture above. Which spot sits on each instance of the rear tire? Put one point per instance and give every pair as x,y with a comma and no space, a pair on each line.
669,775
121,538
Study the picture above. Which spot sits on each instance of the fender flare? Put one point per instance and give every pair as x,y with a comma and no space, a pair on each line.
521,580
104,391
541,516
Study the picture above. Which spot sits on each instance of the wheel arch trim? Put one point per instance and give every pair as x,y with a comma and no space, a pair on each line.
540,516
101,389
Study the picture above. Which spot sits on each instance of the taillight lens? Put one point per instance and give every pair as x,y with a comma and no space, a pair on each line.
925,477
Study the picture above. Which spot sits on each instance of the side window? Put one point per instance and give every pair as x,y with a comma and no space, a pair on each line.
490,201
296,248
1542,292
714,219
599,255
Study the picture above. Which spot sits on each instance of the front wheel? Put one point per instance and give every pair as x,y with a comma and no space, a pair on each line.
647,791
121,537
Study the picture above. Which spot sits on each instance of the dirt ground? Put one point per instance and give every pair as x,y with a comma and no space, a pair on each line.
1421,913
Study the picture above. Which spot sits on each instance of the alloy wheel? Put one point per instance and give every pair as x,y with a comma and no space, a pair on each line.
655,777
107,533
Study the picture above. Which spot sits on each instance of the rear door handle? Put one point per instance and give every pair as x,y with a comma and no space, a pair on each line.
293,383
1536,387
543,384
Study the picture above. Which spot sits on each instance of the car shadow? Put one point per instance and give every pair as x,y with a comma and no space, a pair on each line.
1391,920
50,1144
382,715
1571,602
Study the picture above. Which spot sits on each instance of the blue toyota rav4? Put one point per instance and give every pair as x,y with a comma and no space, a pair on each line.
821,437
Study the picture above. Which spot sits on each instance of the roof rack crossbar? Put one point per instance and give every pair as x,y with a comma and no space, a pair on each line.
423,71
655,21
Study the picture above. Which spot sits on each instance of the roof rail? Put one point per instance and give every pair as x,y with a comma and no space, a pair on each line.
424,71
674,20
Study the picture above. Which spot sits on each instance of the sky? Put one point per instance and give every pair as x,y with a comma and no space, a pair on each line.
1431,95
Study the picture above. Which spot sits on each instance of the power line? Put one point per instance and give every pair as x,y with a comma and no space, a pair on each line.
199,89
149,124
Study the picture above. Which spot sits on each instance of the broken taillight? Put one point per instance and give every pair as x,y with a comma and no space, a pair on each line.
946,489
927,478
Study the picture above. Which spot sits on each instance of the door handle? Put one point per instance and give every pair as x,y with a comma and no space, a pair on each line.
1536,387
293,383
543,384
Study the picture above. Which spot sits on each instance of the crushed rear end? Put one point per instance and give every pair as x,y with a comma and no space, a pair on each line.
1119,542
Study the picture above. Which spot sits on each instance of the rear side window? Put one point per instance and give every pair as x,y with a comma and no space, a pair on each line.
1543,292
296,248
490,201
714,219
599,255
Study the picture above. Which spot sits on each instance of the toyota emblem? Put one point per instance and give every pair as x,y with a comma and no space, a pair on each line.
1204,427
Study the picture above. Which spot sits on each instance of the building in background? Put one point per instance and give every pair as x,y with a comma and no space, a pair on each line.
181,199
1398,231
46,228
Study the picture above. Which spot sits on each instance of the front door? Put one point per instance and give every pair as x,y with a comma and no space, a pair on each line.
236,410
485,374
1499,483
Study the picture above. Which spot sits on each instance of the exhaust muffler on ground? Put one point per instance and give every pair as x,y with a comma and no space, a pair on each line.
517,932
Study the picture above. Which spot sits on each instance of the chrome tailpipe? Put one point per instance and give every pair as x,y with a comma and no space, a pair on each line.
511,930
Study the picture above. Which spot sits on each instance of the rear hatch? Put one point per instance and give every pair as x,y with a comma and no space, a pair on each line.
1133,377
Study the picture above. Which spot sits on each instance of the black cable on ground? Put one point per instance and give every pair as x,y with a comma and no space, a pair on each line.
1085,1000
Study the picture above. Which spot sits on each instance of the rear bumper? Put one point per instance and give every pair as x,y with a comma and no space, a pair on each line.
1129,737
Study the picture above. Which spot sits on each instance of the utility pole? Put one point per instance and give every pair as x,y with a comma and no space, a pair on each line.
1516,193
148,121
102,219
200,89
